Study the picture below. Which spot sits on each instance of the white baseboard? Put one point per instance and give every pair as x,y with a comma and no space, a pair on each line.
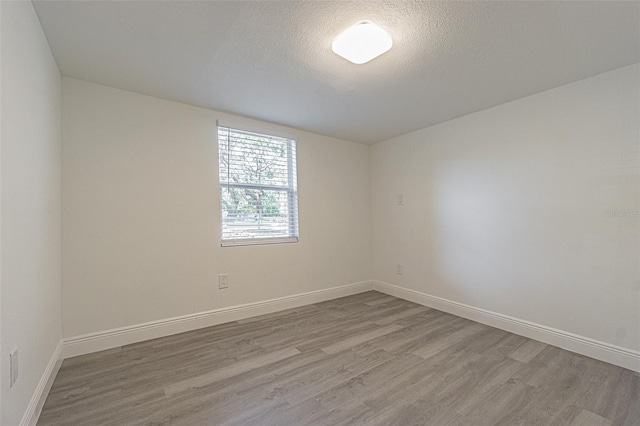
606,352
114,338
109,339
34,408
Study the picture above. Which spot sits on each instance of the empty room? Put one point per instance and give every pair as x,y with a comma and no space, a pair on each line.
319,213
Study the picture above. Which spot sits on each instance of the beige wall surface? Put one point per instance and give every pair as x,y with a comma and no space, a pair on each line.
30,205
528,209
141,214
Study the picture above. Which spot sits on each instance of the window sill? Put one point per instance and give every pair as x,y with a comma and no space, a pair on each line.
258,241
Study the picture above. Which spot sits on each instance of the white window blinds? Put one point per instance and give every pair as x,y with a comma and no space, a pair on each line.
258,188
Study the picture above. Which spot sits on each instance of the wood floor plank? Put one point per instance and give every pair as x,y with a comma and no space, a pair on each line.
448,340
408,312
230,371
418,336
504,347
608,393
361,384
556,398
306,377
586,417
381,301
356,339
576,416
367,359
628,411
508,401
328,336
477,383
527,351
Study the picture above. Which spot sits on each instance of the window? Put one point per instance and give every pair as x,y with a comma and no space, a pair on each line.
258,189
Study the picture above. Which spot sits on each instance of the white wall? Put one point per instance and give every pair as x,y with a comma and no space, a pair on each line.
141,214
30,222
505,209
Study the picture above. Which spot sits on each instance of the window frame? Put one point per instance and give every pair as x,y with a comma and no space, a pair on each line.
291,189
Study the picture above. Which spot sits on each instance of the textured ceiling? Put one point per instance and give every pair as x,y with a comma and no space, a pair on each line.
273,60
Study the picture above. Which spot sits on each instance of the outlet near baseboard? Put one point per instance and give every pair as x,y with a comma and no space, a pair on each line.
223,281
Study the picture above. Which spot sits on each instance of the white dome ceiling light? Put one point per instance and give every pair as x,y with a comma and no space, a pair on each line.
362,43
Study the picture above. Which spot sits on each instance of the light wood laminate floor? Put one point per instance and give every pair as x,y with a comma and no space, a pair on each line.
368,359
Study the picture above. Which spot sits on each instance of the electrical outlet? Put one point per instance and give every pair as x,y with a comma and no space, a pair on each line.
400,200
13,363
399,269
223,281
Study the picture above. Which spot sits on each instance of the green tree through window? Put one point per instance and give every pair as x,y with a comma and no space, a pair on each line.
258,190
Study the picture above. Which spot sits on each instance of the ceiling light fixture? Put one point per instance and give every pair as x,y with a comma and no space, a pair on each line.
362,42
